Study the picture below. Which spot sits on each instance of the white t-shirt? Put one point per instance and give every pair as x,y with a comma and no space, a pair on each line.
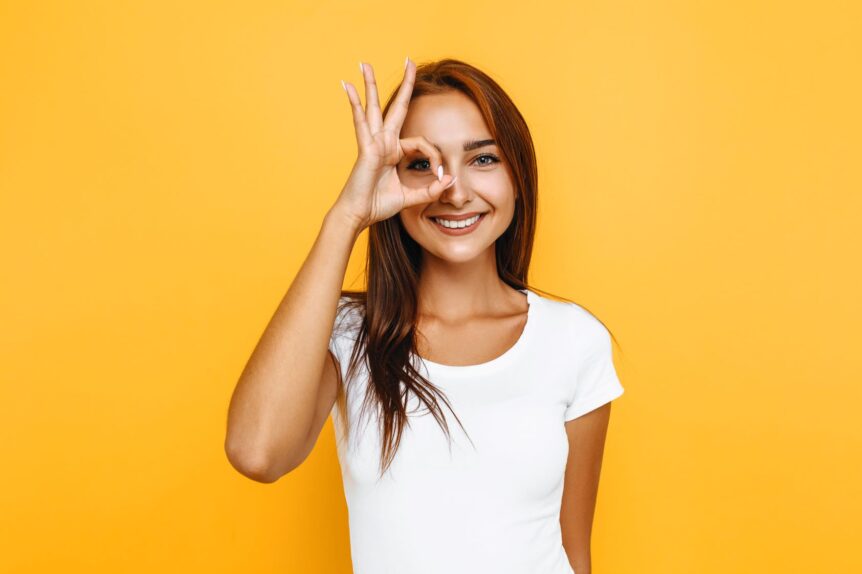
489,506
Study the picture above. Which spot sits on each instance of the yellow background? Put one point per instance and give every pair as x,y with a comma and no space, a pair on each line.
164,169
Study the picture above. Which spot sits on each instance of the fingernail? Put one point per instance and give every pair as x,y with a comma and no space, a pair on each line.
343,86
407,59
439,172
451,182
361,69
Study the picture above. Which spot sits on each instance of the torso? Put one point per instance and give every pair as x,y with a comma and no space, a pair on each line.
488,497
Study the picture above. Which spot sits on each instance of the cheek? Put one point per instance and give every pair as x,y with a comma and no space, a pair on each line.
502,199
410,221
504,208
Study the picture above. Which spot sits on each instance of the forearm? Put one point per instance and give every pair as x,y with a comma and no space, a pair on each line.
580,561
577,545
578,512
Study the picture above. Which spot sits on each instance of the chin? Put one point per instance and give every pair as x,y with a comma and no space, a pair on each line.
458,254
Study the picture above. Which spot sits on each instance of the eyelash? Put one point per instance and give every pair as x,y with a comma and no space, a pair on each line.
490,155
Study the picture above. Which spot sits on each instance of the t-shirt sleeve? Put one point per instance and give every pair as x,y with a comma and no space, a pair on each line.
596,380
337,331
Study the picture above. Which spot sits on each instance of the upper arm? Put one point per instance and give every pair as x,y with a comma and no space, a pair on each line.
586,435
326,394
595,385
325,399
340,344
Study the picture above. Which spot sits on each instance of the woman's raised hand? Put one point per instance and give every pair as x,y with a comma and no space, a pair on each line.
373,191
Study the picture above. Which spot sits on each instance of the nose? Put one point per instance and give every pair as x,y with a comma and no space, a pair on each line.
458,193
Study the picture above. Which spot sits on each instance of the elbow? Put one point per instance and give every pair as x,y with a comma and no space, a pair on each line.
251,465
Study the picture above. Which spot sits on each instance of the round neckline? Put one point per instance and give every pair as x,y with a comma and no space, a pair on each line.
496,363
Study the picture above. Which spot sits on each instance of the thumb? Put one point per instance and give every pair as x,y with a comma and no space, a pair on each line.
418,195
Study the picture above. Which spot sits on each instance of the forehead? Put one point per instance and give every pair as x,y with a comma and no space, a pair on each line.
445,119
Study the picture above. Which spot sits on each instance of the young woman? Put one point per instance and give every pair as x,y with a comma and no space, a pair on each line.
445,181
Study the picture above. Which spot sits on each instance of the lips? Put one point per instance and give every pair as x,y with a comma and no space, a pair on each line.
479,217
458,217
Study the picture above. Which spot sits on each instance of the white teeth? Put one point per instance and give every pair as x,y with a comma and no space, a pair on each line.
457,224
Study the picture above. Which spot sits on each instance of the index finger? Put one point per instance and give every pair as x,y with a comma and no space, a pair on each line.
398,110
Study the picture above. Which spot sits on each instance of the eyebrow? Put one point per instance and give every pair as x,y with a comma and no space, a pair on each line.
472,144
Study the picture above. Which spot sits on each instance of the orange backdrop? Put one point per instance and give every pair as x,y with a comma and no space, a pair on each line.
164,168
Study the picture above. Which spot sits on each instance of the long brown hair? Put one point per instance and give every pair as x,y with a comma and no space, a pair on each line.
387,336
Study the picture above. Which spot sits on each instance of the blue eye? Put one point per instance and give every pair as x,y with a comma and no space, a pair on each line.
490,156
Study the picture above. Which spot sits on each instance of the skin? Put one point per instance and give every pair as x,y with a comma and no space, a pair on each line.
467,314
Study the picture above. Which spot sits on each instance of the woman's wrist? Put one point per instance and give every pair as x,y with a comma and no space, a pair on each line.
340,218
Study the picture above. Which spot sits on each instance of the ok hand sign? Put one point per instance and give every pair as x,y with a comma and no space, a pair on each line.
373,191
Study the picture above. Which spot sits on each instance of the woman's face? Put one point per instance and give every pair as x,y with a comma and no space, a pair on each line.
452,121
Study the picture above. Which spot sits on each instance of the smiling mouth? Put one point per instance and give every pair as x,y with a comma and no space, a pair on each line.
458,224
